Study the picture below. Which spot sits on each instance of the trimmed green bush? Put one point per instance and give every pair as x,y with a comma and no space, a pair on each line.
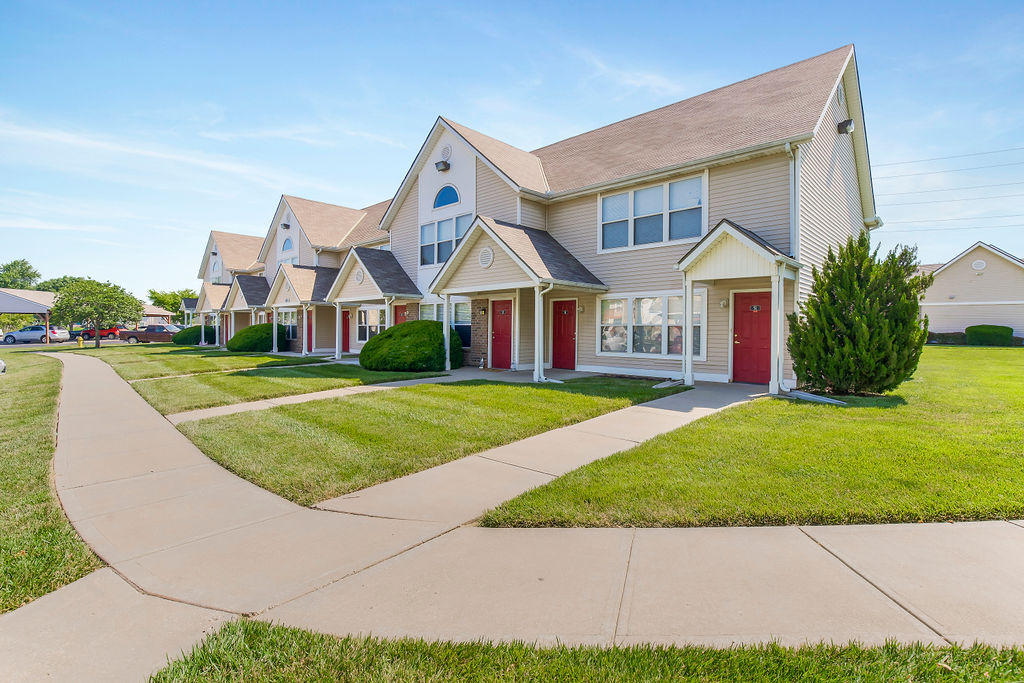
190,335
415,346
860,331
989,335
957,338
258,338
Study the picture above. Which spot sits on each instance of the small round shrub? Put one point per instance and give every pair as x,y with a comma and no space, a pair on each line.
989,335
414,346
258,338
957,338
190,336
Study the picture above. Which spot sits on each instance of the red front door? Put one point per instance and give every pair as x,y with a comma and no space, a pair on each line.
563,335
344,331
501,334
401,314
752,333
309,331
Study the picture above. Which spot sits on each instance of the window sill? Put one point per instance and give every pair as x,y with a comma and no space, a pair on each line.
652,245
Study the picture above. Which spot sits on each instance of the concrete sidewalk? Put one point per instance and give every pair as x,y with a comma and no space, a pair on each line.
174,525
462,490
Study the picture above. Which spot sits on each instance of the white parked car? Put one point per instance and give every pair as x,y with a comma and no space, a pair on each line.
37,333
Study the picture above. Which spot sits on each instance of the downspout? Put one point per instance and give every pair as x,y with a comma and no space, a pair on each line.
795,162
538,333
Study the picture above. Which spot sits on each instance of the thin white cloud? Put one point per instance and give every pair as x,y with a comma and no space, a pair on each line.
228,166
23,223
654,82
313,135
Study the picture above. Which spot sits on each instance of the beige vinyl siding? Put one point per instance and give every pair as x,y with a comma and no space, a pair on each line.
303,249
236,300
285,295
755,195
526,327
587,337
324,322
943,318
270,265
329,259
494,197
405,232
502,270
239,321
1000,280
360,291
830,205
534,214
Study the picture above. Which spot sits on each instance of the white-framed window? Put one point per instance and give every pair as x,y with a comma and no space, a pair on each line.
446,196
650,324
439,239
287,252
654,215
462,321
290,321
369,323
429,311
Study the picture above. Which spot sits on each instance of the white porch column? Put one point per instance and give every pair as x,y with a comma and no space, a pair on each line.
776,351
687,330
273,328
337,331
216,329
202,330
252,316
305,329
388,314
446,318
538,335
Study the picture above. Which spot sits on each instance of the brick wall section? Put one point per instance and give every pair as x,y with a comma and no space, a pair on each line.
478,342
295,345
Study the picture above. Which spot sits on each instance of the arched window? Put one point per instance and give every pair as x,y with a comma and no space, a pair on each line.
287,246
445,196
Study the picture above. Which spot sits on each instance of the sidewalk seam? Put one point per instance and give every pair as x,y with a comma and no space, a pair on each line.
625,584
877,587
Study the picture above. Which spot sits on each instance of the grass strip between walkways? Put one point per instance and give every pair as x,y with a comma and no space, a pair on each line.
255,651
39,549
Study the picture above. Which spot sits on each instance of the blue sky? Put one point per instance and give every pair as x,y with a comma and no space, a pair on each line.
128,131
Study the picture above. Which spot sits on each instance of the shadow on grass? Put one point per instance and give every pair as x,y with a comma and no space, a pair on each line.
636,390
891,401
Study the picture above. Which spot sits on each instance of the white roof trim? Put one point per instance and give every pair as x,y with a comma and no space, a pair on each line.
458,256
210,244
275,288
346,267
995,250
413,173
726,227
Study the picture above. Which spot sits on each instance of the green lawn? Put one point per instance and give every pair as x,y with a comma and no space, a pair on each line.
39,549
254,651
313,451
140,361
175,394
947,445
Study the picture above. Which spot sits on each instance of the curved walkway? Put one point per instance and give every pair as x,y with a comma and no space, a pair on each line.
395,560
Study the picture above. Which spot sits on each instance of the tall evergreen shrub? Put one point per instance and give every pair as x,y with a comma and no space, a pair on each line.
860,331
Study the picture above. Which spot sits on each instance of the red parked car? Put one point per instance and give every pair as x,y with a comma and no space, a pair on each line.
109,333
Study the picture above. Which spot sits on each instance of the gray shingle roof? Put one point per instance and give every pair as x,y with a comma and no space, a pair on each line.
385,270
189,304
255,289
542,253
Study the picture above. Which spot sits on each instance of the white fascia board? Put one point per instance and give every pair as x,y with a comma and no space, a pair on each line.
984,245
262,258
206,257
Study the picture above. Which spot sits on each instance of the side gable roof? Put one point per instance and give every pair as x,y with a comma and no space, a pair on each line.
539,254
984,245
325,225
522,167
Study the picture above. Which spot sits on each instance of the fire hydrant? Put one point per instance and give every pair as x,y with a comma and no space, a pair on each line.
80,343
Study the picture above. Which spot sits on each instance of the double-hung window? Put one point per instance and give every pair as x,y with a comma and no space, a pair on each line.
290,320
462,321
427,311
369,323
650,325
439,239
653,215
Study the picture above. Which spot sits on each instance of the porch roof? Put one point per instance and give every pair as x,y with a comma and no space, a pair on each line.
254,289
309,283
382,277
729,251
212,297
540,256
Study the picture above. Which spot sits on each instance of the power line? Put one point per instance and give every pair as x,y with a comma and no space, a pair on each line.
949,170
953,156
959,227
949,189
965,218
965,199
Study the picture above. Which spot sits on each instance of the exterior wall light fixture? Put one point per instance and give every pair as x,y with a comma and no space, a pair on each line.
442,166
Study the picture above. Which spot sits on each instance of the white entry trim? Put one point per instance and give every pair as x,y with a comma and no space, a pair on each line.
732,317
550,337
